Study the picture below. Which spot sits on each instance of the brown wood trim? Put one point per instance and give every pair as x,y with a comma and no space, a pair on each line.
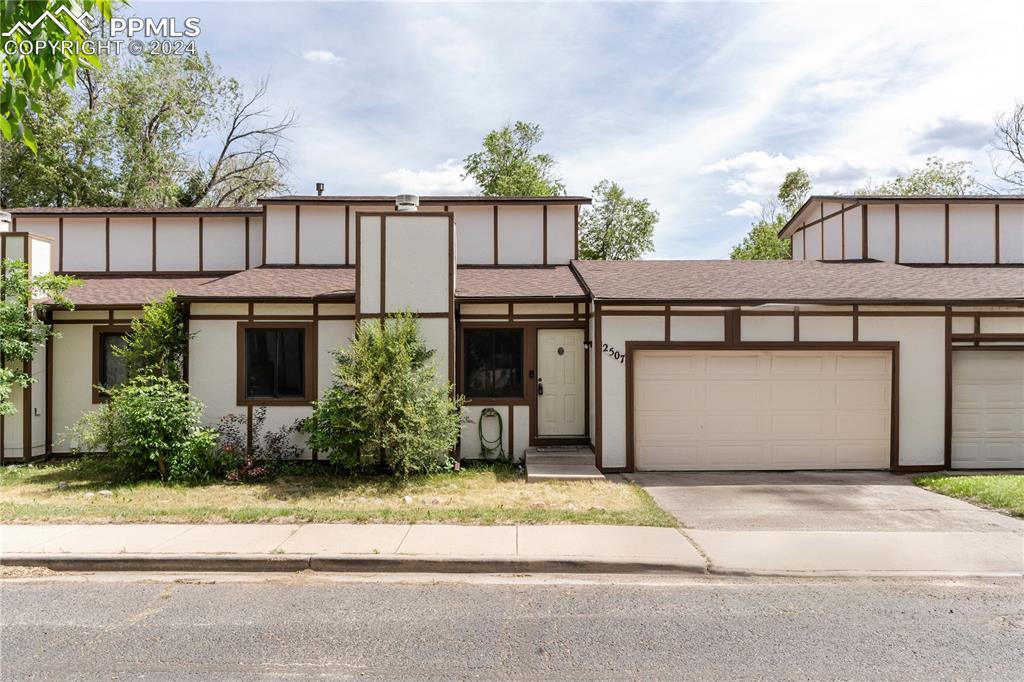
633,346
598,396
248,429
732,327
896,237
947,235
668,323
512,432
359,260
309,368
856,323
266,317
948,402
821,232
298,233
347,220
842,234
495,237
545,219
98,330
246,242
864,232
796,324
576,231
263,237
106,229
201,230
383,265
803,232
977,328
452,265
60,252
26,416
508,317
829,216
186,309
978,336
48,389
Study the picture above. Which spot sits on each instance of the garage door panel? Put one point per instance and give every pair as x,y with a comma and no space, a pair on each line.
988,409
777,409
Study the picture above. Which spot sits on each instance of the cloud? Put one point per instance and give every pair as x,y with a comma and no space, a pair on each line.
320,56
748,209
445,178
951,133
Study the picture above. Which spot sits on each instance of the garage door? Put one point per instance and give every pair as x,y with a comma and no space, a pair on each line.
697,410
988,409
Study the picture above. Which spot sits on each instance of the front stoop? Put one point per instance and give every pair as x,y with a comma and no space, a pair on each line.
569,463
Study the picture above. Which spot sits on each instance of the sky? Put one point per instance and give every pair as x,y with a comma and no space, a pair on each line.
699,107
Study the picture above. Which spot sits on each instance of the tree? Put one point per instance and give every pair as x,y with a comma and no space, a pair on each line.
616,227
157,341
1009,145
508,167
386,408
24,76
763,241
127,136
22,331
936,178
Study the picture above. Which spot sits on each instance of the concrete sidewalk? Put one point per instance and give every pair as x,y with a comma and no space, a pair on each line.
350,547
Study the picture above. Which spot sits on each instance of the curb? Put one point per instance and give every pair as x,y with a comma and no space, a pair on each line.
350,563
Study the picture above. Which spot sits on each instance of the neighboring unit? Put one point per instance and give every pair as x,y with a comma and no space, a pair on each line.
894,339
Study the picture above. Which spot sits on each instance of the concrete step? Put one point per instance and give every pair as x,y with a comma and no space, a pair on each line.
561,464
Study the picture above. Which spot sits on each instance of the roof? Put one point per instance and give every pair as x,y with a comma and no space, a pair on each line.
861,199
757,282
540,282
439,200
259,284
122,210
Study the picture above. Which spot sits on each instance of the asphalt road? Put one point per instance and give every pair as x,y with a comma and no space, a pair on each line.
329,628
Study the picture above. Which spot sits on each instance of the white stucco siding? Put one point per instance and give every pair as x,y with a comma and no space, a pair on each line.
369,265
332,335
853,218
1000,325
72,385
1011,233
922,233
177,244
826,328
881,232
280,231
766,327
223,243
417,267
255,242
85,244
131,244
44,227
39,402
698,328
561,234
279,417
798,245
972,233
921,382
41,255
833,234
435,336
322,235
615,331
470,432
474,229
520,235
812,242
213,368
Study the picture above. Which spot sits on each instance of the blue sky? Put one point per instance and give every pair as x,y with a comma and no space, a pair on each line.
700,107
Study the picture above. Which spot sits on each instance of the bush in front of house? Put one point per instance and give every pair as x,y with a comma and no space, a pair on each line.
253,451
386,410
150,425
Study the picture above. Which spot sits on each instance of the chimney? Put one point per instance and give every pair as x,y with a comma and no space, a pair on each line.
319,189
406,202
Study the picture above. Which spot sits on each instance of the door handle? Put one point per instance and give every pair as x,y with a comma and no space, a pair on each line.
540,388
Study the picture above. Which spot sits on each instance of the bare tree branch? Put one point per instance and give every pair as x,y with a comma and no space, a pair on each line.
1008,166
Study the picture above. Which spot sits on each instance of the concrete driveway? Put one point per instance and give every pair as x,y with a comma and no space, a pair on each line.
823,523
814,501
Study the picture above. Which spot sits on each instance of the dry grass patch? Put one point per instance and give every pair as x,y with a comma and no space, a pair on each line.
476,495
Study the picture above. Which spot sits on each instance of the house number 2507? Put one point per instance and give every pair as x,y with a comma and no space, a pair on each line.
621,357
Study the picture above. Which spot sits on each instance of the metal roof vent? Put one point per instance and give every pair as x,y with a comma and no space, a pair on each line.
407,202
319,189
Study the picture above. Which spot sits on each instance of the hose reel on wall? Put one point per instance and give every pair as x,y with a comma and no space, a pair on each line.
491,448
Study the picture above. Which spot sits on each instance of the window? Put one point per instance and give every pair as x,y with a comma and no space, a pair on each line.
275,362
493,363
108,370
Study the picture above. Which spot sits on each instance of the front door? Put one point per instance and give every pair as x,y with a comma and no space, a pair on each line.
560,382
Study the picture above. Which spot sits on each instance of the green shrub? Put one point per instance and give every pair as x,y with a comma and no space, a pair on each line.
157,341
150,425
386,409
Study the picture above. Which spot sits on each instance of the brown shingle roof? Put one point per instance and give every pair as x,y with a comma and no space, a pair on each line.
805,281
258,284
540,282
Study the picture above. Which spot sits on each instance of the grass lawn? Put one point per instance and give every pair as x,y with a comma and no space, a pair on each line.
999,491
482,495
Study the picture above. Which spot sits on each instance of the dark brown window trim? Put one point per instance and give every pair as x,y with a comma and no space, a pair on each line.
309,370
98,331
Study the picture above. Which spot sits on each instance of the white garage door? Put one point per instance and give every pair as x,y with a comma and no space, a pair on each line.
697,410
988,409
